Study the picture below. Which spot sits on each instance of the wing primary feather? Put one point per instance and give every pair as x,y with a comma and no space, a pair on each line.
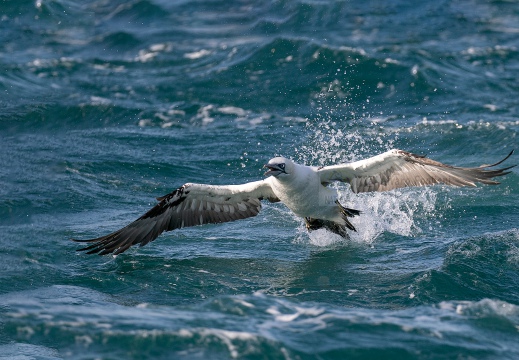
189,205
396,169
501,161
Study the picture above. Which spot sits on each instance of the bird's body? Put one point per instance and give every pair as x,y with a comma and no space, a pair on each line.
303,189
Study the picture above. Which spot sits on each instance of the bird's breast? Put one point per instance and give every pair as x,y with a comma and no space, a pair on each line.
306,198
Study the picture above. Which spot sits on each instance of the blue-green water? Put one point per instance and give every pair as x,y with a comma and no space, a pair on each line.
109,104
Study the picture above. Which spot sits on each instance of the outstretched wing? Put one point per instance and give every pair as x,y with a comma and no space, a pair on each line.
396,168
189,205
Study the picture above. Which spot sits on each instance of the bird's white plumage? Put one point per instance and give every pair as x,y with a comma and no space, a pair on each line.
303,192
303,189
396,169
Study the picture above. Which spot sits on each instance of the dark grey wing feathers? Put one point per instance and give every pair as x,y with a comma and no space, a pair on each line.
396,169
189,205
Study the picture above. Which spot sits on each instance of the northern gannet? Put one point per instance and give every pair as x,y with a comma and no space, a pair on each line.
303,189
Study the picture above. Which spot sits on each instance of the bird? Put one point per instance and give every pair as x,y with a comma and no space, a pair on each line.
303,189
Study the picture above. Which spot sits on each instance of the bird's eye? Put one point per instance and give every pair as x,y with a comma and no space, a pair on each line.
282,166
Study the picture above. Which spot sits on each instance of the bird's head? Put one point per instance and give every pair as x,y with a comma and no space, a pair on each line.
279,167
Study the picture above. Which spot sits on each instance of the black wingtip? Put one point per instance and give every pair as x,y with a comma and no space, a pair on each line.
92,247
500,162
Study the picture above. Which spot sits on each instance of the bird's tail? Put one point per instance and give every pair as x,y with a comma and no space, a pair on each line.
340,229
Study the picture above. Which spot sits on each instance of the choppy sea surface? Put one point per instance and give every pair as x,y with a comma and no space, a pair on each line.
106,105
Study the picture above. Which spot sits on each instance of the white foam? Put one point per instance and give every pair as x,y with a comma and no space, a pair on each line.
145,55
227,337
197,54
98,100
482,308
324,238
232,110
204,114
245,303
161,47
394,211
299,312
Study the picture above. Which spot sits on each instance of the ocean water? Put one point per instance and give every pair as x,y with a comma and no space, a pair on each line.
106,105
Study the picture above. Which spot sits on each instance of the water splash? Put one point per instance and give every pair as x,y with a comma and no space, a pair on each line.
397,211
331,142
401,212
325,238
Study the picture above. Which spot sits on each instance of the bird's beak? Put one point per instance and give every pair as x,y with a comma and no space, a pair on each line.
273,170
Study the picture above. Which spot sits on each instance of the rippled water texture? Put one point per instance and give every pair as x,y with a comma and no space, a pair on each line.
109,104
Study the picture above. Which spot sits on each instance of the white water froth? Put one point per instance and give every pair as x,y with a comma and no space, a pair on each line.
325,238
397,211
483,308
